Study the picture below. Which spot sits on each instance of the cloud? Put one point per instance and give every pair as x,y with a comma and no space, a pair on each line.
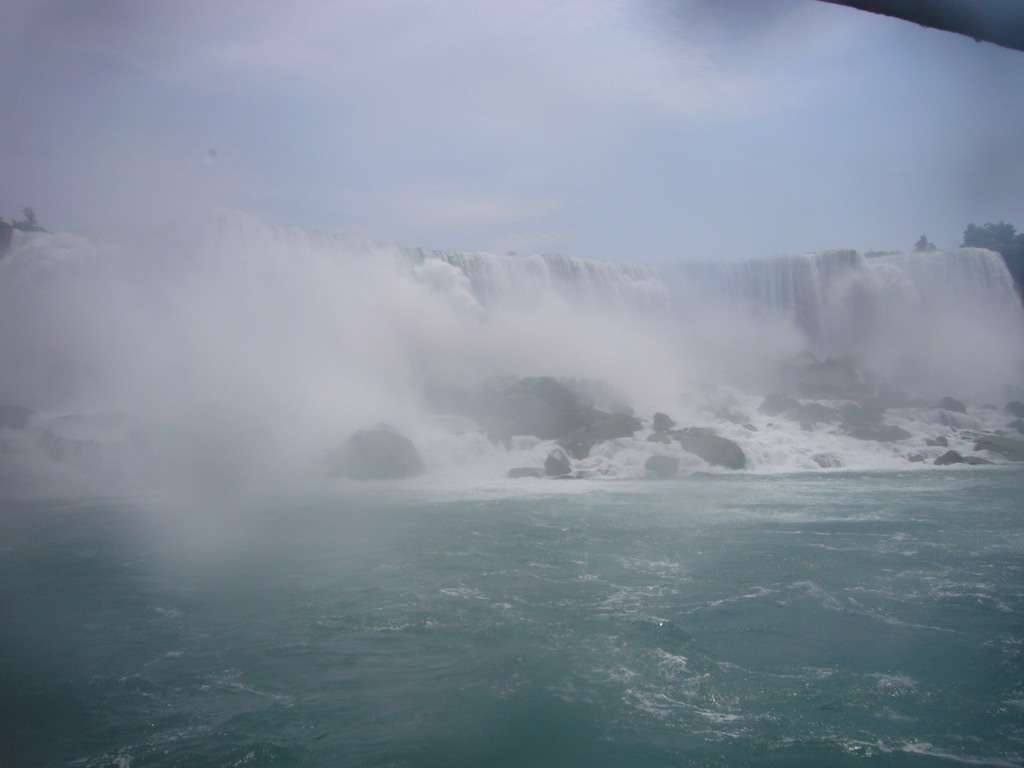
589,126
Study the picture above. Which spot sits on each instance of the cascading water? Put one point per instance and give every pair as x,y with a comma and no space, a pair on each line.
255,348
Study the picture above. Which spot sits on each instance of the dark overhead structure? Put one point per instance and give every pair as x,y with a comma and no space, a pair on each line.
994,21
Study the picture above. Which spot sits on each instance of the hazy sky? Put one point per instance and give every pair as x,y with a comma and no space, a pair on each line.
640,130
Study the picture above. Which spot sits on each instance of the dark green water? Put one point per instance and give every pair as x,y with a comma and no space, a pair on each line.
791,621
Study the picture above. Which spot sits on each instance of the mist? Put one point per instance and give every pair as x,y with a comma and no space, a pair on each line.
223,359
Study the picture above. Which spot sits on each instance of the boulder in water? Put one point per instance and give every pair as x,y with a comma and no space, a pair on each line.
952,404
663,466
536,406
715,450
1017,424
580,441
516,472
827,460
940,442
557,463
1016,408
381,453
1009,447
662,422
950,457
975,460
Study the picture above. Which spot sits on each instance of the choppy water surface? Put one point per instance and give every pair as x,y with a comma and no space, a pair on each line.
818,620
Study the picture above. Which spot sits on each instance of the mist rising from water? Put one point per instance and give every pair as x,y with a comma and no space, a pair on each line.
244,351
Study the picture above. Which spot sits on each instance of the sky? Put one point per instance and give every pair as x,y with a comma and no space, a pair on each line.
624,130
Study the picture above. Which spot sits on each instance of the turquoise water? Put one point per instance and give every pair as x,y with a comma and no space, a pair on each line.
872,619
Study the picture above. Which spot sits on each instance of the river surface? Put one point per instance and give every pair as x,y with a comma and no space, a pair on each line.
801,620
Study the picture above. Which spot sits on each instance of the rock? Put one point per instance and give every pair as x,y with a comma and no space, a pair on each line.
557,463
526,472
1009,447
827,460
13,417
952,404
381,453
776,404
580,441
1017,424
950,457
659,437
662,422
537,406
915,458
975,460
880,433
940,442
1016,408
715,450
664,466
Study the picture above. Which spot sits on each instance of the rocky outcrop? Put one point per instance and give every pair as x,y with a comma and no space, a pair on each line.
827,460
580,441
950,457
516,472
540,407
662,422
536,406
1008,447
663,466
381,453
1016,408
952,404
557,463
715,450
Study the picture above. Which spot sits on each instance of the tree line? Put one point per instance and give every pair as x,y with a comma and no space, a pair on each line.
27,224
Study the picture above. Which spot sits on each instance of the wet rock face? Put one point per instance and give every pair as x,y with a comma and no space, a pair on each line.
1008,447
662,422
663,466
537,406
715,450
517,472
381,453
952,404
580,441
557,464
950,457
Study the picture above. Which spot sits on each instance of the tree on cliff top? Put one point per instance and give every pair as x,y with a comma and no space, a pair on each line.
923,244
